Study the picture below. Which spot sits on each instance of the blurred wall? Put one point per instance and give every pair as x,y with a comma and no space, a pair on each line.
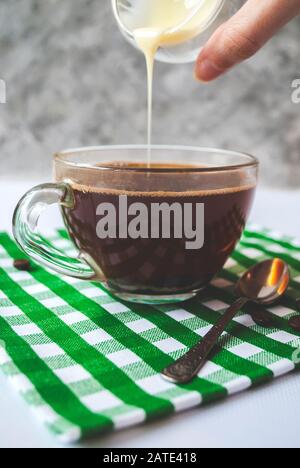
72,81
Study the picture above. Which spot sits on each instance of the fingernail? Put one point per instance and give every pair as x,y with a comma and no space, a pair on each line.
207,71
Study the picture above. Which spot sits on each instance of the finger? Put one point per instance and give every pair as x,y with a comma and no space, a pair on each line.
243,35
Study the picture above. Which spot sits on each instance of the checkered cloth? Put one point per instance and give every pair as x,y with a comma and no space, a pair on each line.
88,363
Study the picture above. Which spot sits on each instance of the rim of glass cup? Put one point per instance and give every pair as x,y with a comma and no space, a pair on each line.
249,160
123,28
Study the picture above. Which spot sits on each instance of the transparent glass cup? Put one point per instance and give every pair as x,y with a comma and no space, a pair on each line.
109,198
185,51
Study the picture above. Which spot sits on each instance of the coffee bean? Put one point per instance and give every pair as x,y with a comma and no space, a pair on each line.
263,319
22,264
294,322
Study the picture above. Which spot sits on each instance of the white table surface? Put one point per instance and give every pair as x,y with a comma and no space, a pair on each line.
265,417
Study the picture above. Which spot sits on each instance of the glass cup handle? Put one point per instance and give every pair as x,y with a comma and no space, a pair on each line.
25,230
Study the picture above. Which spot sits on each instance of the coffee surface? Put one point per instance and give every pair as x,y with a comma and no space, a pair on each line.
160,266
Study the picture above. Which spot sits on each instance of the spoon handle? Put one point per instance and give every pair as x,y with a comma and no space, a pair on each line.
188,366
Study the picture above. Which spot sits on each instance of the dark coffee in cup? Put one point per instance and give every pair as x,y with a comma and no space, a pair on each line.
159,266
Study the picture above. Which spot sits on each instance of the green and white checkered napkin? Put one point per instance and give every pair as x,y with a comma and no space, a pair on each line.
88,363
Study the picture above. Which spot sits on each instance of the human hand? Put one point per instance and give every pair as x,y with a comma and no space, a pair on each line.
244,35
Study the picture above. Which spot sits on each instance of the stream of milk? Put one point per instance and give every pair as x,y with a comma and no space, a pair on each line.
159,23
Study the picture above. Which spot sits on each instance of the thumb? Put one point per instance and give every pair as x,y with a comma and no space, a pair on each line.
243,35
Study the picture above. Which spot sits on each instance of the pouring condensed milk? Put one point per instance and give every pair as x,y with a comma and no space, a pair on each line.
159,27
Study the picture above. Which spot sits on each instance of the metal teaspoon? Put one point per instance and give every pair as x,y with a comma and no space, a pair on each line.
264,283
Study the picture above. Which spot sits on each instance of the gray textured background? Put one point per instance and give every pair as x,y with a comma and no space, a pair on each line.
72,81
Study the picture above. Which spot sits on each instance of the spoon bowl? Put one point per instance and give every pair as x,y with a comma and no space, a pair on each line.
265,282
